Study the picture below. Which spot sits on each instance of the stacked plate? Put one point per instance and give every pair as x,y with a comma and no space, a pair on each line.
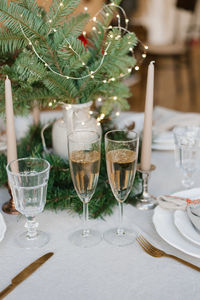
2,227
175,227
163,141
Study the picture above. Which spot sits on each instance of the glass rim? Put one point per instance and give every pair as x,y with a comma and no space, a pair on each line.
98,136
27,158
122,141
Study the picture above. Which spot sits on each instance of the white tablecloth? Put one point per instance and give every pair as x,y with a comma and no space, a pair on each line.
103,272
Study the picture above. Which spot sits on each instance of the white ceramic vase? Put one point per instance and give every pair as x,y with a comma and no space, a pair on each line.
75,117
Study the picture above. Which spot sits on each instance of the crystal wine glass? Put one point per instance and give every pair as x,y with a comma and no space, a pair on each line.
121,159
187,152
84,158
28,179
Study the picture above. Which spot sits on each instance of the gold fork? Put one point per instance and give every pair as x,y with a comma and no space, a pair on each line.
155,252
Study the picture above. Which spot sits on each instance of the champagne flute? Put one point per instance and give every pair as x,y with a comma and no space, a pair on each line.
28,179
121,148
84,152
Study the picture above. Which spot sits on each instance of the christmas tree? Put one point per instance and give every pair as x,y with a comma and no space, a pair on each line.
54,60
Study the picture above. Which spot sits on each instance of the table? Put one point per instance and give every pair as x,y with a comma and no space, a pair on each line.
103,272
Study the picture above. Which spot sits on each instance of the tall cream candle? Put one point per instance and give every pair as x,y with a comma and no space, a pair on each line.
10,125
147,131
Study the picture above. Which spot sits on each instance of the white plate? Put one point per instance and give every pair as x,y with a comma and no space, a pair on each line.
185,227
163,141
2,227
164,223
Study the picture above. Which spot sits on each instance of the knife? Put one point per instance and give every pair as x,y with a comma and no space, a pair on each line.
25,273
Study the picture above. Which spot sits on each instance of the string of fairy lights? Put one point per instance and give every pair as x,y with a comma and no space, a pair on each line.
91,73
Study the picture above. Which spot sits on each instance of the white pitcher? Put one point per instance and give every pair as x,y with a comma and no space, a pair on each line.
75,116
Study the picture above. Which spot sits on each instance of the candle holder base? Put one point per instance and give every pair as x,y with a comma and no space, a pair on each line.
9,206
146,201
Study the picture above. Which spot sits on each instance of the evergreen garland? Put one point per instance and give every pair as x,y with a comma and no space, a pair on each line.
61,193
50,34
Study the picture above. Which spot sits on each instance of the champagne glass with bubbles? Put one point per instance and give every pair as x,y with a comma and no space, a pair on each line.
28,179
121,159
84,158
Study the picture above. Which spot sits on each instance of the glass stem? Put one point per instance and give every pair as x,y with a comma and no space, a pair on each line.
31,226
120,230
86,231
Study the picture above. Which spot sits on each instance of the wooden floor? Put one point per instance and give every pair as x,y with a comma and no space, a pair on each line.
166,92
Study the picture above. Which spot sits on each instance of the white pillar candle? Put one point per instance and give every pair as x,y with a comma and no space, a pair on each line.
10,125
147,131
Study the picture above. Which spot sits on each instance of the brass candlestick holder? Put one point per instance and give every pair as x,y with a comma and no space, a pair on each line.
146,201
9,207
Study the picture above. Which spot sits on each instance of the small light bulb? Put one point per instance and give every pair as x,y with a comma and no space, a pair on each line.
67,77
102,116
144,55
129,70
104,81
113,79
91,112
110,27
83,123
92,72
131,49
92,76
117,113
107,14
85,8
61,4
94,19
137,68
70,47
54,30
105,53
118,16
127,20
83,64
99,99
112,4
46,65
98,124
98,119
84,33
54,100
146,47
111,36
115,97
50,104
94,28
30,43
50,21
68,107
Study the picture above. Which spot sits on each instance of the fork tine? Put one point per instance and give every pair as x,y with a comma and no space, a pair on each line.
156,250
147,246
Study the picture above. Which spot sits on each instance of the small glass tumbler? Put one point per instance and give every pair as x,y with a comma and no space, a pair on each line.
187,152
28,179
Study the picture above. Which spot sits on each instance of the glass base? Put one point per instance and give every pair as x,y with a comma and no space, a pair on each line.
187,183
146,203
85,239
121,238
39,241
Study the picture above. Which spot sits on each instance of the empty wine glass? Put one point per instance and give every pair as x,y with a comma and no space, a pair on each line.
84,158
28,179
121,159
187,152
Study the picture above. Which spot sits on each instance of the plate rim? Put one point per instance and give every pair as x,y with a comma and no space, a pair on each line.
184,235
3,227
168,242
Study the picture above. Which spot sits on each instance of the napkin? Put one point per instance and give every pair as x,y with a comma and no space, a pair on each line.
166,119
173,202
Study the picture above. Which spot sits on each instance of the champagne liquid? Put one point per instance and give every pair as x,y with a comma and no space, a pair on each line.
84,166
121,166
